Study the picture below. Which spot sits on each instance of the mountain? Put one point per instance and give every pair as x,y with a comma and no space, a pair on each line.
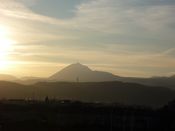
117,92
153,81
12,90
78,72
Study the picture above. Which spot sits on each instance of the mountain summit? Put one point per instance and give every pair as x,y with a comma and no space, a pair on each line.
82,73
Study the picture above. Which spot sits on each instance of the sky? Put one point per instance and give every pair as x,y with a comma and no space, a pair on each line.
125,37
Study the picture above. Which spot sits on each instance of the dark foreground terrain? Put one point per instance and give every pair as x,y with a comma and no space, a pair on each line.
104,92
64,115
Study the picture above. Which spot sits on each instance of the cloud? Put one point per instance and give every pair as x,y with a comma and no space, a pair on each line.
170,53
110,30
17,9
113,16
116,16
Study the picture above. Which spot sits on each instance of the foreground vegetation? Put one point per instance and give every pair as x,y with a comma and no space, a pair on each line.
65,115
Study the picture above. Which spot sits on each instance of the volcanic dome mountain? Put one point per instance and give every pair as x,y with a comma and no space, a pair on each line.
78,72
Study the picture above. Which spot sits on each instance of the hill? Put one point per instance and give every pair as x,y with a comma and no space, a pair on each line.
78,72
12,90
115,92
127,93
153,81
82,73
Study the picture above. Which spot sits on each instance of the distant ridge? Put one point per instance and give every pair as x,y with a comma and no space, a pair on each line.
83,73
7,77
108,92
173,76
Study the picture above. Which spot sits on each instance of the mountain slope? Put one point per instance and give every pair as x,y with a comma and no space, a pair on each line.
128,93
118,92
154,81
81,73
12,90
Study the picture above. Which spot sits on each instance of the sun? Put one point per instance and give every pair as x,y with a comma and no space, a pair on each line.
6,46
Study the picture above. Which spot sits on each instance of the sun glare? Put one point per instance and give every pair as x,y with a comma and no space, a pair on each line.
6,45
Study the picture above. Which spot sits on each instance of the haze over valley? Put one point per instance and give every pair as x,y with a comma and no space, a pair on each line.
79,82
83,73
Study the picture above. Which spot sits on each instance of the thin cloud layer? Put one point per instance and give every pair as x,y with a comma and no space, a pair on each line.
132,35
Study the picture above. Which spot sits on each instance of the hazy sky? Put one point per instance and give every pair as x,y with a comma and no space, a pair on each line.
125,37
